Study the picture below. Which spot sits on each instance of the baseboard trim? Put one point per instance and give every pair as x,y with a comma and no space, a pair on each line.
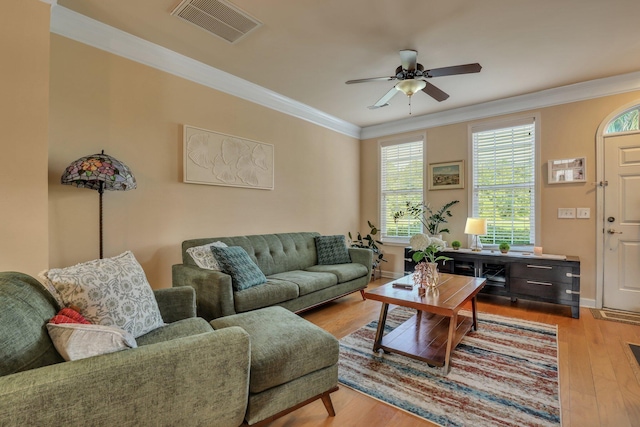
587,302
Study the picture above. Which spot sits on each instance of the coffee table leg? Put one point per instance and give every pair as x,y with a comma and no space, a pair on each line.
380,331
474,313
453,322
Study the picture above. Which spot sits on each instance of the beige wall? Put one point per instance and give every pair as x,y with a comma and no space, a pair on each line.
135,113
24,45
566,130
100,101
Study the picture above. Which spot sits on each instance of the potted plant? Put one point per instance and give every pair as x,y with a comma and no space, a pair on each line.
504,247
430,219
369,242
456,245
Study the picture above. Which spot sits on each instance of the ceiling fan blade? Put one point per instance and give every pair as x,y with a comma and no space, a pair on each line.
456,69
435,93
372,79
408,59
384,101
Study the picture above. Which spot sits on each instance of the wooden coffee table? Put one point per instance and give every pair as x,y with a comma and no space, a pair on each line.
436,329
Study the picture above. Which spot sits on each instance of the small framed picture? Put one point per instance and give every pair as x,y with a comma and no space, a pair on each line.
568,170
446,176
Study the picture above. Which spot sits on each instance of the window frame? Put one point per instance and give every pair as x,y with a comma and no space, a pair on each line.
492,124
417,137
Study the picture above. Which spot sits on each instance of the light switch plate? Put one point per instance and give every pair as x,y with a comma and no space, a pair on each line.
583,213
566,213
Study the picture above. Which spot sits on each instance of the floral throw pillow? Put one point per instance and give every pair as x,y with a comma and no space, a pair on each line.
110,292
203,257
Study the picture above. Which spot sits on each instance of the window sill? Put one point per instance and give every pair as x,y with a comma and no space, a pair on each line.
395,242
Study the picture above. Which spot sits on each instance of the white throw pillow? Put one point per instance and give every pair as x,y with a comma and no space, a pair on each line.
110,292
77,341
203,256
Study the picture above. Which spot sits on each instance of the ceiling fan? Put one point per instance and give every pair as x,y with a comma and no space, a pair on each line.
412,75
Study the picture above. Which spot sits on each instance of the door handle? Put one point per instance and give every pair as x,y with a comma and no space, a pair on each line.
612,231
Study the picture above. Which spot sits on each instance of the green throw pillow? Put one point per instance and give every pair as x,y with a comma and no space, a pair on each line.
332,250
236,262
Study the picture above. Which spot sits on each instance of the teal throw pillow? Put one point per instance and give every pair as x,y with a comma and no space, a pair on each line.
235,262
332,250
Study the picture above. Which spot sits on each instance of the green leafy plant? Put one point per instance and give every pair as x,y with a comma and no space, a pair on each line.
430,219
456,244
369,242
504,247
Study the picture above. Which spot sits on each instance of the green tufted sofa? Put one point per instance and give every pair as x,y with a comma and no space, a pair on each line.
184,370
288,260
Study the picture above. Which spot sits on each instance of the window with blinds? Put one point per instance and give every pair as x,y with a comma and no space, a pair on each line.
504,182
401,180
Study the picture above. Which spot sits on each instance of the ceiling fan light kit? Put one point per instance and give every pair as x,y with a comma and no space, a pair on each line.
411,86
411,77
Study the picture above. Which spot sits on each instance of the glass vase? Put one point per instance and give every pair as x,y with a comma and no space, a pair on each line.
426,276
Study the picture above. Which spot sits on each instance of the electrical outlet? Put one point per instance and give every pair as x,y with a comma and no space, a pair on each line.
566,213
583,213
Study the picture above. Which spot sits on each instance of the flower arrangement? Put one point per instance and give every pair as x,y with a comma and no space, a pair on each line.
425,246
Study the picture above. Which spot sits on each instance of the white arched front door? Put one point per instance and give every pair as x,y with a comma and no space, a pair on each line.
618,173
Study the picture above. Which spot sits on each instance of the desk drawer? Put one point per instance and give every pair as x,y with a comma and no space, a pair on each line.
542,289
541,272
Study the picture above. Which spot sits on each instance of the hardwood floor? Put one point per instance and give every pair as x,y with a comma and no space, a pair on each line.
597,384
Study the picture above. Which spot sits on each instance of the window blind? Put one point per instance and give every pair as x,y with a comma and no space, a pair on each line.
504,183
401,180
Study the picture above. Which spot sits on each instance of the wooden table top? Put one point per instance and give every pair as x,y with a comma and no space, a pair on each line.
453,292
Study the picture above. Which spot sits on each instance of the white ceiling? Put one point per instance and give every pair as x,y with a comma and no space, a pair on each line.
307,49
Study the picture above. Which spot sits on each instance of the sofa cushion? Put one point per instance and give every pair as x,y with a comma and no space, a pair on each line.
110,291
203,257
307,281
26,308
273,253
267,294
181,328
235,262
76,341
284,346
332,250
344,272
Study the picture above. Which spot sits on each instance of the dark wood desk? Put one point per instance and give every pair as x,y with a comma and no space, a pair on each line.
436,329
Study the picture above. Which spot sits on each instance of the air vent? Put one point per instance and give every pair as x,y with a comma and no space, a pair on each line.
218,17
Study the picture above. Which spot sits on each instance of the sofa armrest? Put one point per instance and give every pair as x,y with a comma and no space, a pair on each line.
362,256
176,303
214,294
201,379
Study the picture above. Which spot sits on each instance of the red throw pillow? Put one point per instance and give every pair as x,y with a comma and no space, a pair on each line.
69,315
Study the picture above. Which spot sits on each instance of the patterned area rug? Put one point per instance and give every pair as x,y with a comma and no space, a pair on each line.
504,374
616,316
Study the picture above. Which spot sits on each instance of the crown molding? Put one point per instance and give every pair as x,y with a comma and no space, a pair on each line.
83,29
75,26
545,98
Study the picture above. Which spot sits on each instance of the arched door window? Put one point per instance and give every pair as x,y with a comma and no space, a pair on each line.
625,122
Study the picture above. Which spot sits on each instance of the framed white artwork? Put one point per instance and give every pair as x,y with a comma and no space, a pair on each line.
214,158
568,170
